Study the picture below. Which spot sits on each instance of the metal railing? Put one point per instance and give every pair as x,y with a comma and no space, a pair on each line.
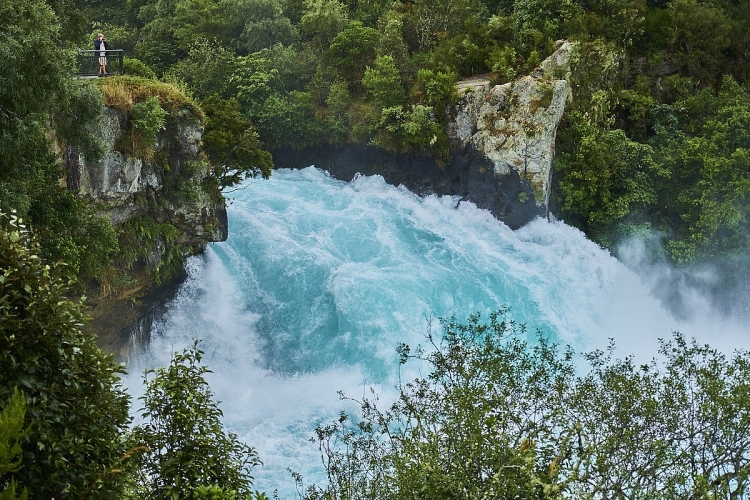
88,62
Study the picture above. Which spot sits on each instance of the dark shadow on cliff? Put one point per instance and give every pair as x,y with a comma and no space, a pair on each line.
124,326
469,176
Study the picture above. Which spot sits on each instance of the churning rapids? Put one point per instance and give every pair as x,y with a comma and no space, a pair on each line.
320,280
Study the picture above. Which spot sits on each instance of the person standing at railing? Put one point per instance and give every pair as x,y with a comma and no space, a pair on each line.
102,46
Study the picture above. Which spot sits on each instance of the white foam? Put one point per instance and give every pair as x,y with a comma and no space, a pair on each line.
320,280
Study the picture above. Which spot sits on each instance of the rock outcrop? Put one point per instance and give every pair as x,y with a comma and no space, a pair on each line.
502,146
168,187
514,125
160,202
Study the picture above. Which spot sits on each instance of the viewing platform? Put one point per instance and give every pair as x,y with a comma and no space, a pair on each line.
88,63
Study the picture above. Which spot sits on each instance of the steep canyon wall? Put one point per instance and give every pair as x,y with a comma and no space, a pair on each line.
502,146
160,203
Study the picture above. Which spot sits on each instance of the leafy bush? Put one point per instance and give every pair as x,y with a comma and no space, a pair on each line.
437,89
190,455
136,67
232,144
76,409
152,244
499,417
383,83
147,120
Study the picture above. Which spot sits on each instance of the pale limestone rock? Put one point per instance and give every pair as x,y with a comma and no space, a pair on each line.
514,125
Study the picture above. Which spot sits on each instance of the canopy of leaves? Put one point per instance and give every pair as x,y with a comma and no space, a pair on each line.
190,455
285,61
232,143
500,417
36,58
76,410
383,83
609,178
709,159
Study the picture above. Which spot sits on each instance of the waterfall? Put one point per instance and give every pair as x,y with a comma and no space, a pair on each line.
319,280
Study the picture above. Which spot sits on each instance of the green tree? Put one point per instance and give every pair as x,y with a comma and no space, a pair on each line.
37,89
157,45
289,119
338,102
203,19
392,44
294,68
190,455
538,22
264,25
232,144
351,51
206,70
699,34
253,82
432,20
708,155
322,20
607,182
469,429
76,409
500,416
383,83
34,56
674,428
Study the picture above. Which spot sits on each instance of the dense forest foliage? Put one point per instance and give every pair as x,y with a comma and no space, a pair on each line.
655,140
44,109
37,55
65,423
496,416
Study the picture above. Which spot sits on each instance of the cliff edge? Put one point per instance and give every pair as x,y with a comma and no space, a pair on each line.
155,187
502,146
512,128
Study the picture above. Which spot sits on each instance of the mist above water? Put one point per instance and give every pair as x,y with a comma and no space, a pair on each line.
716,289
320,280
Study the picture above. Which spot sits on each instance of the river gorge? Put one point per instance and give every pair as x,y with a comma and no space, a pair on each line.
320,279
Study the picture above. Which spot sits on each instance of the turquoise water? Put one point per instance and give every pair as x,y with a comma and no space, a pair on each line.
319,280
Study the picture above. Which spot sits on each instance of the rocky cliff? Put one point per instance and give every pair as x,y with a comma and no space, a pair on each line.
513,126
159,197
502,146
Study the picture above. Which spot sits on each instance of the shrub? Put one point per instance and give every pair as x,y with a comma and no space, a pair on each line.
497,416
76,409
135,67
147,120
190,455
